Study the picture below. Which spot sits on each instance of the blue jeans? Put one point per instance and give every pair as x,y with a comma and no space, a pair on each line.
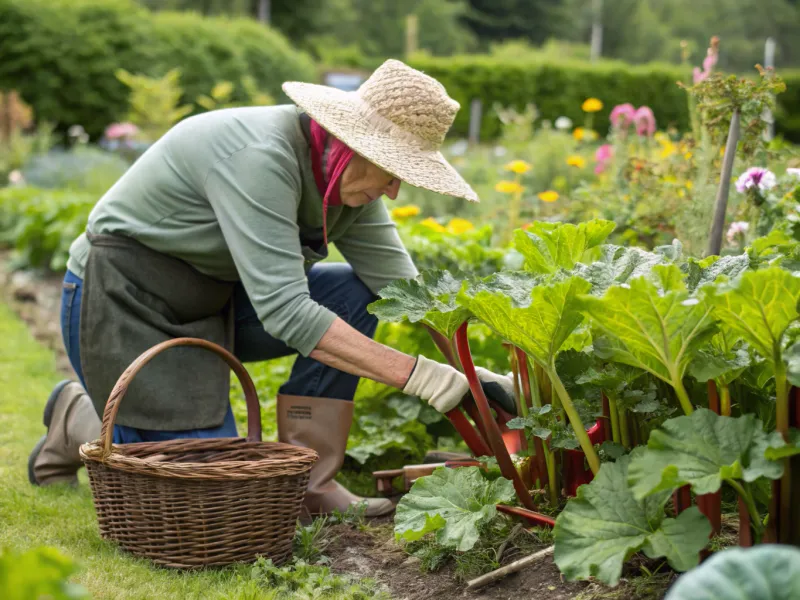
334,286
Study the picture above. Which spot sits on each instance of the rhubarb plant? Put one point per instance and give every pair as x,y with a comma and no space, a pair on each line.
653,324
550,247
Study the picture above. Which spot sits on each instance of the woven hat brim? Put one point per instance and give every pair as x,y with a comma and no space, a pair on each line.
344,115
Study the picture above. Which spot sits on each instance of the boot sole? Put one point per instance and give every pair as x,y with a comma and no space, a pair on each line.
51,402
32,459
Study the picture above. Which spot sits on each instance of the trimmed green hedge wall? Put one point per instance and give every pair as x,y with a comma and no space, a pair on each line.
62,55
560,88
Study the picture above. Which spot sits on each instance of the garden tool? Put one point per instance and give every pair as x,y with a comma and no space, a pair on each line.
323,424
71,420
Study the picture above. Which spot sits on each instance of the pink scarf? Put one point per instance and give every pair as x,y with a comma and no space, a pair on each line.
339,156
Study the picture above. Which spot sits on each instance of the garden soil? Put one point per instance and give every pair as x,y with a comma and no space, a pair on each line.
361,552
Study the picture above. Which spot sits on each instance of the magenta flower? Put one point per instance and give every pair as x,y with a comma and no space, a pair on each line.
756,178
622,115
709,62
603,156
645,121
736,229
117,131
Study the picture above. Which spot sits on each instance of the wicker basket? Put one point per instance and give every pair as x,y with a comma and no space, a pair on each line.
191,503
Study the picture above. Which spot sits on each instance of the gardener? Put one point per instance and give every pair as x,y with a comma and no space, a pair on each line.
215,233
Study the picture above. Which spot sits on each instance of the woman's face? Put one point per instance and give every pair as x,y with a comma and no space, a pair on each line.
362,182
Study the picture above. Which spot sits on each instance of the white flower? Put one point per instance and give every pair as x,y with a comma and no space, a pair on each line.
793,172
756,177
737,228
15,178
563,123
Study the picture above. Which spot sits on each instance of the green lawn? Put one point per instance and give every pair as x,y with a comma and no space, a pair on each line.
63,517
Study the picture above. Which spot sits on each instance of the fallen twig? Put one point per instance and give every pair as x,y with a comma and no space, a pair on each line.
508,569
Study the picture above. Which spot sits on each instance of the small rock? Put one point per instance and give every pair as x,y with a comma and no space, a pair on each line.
412,561
22,288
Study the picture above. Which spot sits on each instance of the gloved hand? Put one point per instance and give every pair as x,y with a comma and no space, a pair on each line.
444,387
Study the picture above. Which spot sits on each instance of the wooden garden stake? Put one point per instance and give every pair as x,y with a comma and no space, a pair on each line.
518,565
721,205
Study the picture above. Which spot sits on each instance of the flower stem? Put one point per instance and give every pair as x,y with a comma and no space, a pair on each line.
624,433
683,397
612,408
743,489
552,483
574,419
725,400
782,427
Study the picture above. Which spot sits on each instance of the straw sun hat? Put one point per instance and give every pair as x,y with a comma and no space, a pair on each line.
397,120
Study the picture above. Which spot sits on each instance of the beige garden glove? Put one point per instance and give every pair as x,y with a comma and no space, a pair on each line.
444,387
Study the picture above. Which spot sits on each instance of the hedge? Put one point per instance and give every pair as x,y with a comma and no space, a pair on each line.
559,88
61,55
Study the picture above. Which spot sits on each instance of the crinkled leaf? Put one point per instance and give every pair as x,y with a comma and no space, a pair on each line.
765,572
542,327
604,525
430,299
617,265
700,273
759,306
612,450
792,358
710,364
647,406
613,378
771,249
517,285
455,503
672,252
548,247
644,327
702,450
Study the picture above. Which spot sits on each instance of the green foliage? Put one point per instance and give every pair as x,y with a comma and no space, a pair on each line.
40,573
557,88
154,102
548,247
109,35
429,299
604,524
453,503
703,450
221,96
766,572
42,224
652,325
83,169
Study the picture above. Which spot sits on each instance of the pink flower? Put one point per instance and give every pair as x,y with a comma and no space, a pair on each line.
117,131
603,156
622,115
756,178
737,228
698,75
645,121
709,62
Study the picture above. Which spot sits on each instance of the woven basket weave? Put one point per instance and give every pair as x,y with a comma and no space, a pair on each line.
192,503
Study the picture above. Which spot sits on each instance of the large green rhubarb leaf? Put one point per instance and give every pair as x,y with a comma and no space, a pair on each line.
548,247
652,324
765,572
430,299
759,306
700,273
703,450
605,524
617,265
541,325
453,503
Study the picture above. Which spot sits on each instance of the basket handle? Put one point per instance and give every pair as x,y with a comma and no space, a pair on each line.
121,387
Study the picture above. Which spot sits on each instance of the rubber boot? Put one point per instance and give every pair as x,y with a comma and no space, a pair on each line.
323,424
71,420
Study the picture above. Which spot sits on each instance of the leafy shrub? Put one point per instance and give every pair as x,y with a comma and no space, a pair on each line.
557,88
84,168
42,224
62,55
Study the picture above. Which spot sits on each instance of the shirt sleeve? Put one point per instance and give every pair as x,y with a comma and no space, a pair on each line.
254,194
373,248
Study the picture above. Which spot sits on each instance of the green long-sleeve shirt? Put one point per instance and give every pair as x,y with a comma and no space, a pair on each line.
232,193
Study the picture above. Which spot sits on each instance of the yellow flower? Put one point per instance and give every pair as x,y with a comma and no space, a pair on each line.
576,161
430,223
687,156
689,185
457,226
670,179
578,133
548,196
668,149
518,166
592,105
681,193
403,212
508,187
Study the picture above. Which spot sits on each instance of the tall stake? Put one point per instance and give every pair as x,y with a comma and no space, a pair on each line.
715,240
